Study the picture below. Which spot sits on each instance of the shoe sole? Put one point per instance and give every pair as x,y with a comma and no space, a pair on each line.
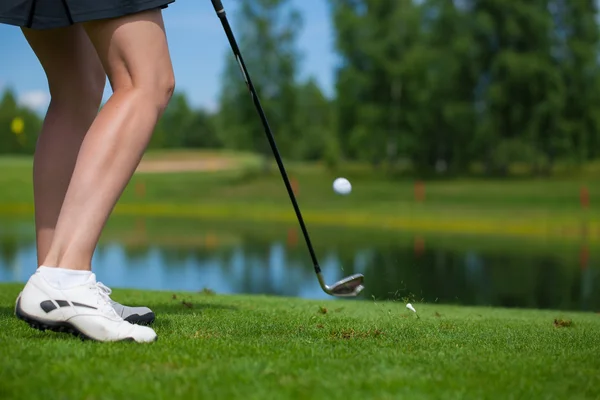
60,327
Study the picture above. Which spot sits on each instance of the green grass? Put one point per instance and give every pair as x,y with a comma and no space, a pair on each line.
523,207
257,347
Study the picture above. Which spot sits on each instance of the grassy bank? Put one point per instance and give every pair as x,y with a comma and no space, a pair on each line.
255,347
537,208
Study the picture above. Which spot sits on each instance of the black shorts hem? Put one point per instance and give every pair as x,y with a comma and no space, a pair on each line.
120,12
13,21
41,23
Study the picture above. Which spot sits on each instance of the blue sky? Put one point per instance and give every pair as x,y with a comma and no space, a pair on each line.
198,48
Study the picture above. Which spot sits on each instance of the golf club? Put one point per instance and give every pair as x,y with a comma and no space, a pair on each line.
347,287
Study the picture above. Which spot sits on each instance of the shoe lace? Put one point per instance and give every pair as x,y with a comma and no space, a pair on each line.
104,288
105,300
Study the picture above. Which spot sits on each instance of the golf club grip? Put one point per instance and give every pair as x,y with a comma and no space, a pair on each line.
263,118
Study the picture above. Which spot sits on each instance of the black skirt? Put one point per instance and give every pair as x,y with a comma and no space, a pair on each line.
48,14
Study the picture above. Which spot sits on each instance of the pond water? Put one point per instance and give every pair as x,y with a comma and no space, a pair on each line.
229,258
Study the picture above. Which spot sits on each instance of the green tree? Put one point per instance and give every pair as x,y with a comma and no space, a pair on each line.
314,122
575,52
463,81
181,126
440,72
520,92
373,108
266,31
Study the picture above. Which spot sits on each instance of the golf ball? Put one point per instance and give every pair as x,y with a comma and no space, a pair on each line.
342,186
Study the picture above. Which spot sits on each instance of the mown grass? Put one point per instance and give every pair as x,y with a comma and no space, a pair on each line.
538,208
257,347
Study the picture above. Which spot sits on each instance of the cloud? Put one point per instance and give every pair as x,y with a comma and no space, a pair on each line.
35,99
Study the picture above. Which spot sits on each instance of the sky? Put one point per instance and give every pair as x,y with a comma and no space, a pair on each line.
198,48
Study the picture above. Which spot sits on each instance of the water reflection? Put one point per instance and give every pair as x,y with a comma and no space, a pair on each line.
545,278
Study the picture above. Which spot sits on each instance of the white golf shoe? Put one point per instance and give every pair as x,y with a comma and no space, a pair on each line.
84,310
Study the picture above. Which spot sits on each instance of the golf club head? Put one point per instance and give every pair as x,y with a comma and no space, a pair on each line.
350,286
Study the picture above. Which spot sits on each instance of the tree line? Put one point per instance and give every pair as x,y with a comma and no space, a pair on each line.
435,85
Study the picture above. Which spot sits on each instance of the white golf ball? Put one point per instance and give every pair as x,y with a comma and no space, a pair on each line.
342,186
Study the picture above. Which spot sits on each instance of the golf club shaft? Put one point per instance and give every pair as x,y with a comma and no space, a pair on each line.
236,51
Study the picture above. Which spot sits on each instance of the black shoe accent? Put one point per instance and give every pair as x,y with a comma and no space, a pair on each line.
146,319
48,305
76,304
54,326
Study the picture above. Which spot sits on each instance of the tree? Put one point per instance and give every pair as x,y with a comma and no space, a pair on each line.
520,92
267,31
441,72
314,119
181,126
373,109
575,53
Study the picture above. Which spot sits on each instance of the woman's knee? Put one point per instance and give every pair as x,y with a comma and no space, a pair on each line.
153,92
135,55
164,89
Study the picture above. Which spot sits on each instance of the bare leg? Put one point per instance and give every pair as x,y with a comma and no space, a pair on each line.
134,53
76,81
